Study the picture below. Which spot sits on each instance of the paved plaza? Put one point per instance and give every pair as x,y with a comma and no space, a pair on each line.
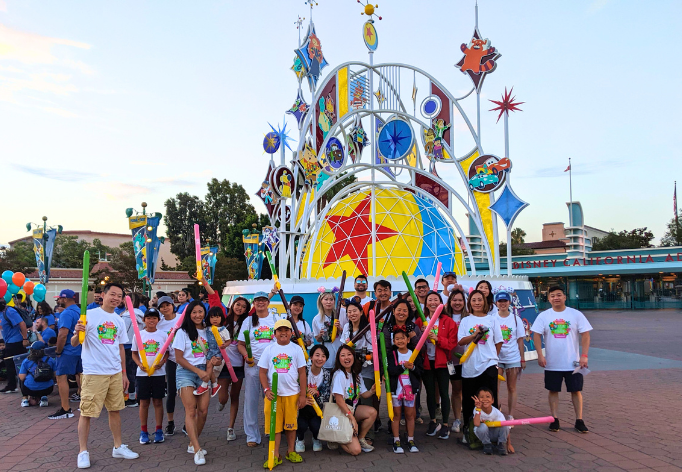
632,407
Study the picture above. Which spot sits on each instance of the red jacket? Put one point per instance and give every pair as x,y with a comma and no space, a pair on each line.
446,342
215,301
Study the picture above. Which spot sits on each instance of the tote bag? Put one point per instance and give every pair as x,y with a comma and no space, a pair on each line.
336,426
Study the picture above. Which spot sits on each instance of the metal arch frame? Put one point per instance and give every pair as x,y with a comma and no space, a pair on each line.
358,186
341,125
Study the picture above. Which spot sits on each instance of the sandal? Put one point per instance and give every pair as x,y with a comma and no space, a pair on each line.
294,457
278,461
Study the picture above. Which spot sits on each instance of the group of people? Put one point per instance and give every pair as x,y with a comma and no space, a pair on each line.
259,343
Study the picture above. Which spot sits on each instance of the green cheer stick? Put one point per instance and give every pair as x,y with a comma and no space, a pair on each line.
273,423
416,301
247,341
384,358
273,270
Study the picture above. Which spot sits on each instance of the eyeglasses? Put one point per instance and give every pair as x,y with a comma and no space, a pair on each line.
421,287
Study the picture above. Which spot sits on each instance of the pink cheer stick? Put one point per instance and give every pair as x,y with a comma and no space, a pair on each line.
519,422
197,246
164,348
375,353
435,282
136,329
425,334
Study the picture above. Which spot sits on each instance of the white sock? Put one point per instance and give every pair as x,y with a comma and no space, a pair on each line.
410,438
206,384
396,439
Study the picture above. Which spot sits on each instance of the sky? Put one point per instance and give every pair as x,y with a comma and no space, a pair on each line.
104,105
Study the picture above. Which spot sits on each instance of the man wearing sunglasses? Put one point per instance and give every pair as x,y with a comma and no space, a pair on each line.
361,289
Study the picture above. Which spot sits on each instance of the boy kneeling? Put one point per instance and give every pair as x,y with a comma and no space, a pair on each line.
485,411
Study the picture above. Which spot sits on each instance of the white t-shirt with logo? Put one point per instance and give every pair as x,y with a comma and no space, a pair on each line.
104,332
402,358
344,386
152,344
166,326
260,335
561,331
494,415
512,329
285,360
236,358
305,330
194,352
485,353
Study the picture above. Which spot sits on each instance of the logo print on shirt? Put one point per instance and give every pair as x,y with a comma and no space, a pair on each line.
282,363
263,334
198,349
506,333
151,347
560,328
484,339
107,332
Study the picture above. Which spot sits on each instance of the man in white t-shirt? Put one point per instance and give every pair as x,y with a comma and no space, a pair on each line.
104,379
563,328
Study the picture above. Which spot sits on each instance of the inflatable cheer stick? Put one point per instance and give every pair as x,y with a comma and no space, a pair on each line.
425,334
375,352
297,333
273,423
519,422
166,345
471,347
197,247
415,300
435,282
316,407
136,331
84,293
273,270
362,331
249,353
337,312
228,364
389,399
501,378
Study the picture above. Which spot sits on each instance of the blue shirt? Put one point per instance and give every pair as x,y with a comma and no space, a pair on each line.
93,305
47,334
50,320
68,319
27,367
10,325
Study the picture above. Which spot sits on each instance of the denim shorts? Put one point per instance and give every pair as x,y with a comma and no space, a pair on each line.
508,365
402,402
187,378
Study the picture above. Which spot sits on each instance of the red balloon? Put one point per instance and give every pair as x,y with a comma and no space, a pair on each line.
3,287
28,287
18,279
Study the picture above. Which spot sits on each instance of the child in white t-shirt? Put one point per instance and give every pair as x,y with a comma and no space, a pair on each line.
485,411
150,387
287,359
216,317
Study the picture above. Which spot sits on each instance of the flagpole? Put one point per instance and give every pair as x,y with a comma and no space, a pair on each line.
570,190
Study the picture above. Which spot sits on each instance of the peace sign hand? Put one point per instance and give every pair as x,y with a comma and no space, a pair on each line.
477,402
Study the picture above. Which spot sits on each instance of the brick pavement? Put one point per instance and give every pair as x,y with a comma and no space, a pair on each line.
632,416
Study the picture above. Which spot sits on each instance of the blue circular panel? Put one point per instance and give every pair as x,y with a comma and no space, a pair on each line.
431,106
395,139
334,153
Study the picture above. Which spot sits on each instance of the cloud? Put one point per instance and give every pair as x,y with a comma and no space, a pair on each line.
3,6
30,48
57,174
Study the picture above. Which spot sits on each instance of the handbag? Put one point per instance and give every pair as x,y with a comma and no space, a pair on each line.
335,427
407,391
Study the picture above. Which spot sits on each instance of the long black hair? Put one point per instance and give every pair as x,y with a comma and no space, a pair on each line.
45,308
355,368
490,297
36,354
427,312
448,307
363,318
187,323
230,316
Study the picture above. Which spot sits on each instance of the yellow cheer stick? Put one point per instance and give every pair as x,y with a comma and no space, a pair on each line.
84,294
467,353
499,377
316,407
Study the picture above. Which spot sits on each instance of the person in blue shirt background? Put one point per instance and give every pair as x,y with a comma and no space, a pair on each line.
98,301
43,310
68,357
15,335
45,333
184,298
30,388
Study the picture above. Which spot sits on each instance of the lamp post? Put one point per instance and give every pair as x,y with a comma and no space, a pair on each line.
148,240
41,254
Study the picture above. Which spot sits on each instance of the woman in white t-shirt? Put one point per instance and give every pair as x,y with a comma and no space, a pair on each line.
480,369
322,325
456,308
347,388
487,290
511,355
190,347
296,307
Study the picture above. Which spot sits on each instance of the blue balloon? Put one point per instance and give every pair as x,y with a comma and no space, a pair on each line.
7,297
39,292
38,298
7,276
13,289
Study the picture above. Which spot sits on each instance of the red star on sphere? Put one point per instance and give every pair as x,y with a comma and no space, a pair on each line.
507,104
353,234
369,32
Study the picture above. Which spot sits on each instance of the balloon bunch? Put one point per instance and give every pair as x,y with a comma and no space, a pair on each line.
12,283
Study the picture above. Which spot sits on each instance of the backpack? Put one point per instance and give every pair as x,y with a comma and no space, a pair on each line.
25,317
43,371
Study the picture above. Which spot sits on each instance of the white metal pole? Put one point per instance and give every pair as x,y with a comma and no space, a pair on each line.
509,227
374,158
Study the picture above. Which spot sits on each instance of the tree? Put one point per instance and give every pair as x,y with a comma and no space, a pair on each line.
122,268
634,239
226,205
18,259
673,235
182,213
518,236
68,252
336,188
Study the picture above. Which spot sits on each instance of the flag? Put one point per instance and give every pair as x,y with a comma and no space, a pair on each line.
568,168
675,201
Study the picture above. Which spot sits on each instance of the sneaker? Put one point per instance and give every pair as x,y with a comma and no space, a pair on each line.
25,403
200,390
397,449
215,390
434,427
132,403
412,446
230,434
465,433
61,414
221,406
84,460
317,445
439,414
122,452
43,401
184,431
502,448
364,445
144,437
170,428
580,426
158,436
75,398
554,426
419,420
456,426
190,449
332,446
9,390
444,433
488,449
199,458
300,446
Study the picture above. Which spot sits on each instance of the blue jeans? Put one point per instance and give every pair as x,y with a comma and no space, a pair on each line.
488,435
187,378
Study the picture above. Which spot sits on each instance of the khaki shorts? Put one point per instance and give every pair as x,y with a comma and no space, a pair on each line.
286,416
101,390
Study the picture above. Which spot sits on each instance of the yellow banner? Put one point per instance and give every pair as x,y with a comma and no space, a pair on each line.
137,221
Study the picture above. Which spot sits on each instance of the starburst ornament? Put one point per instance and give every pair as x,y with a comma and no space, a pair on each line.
507,104
369,10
